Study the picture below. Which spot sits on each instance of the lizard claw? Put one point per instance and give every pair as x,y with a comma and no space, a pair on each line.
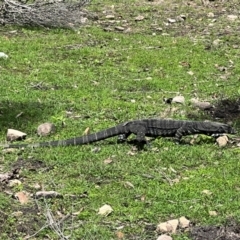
121,138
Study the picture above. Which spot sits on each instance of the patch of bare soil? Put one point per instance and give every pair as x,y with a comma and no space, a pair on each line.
197,19
29,221
26,219
29,164
228,109
229,232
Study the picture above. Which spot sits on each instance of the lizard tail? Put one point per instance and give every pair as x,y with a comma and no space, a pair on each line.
94,137
86,139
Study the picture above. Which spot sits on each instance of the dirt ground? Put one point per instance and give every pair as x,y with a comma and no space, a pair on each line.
228,109
229,232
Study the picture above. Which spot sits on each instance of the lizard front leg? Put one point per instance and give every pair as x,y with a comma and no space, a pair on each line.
123,137
179,133
140,131
183,131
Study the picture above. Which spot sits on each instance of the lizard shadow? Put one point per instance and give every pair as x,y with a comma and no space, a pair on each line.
145,146
131,142
141,146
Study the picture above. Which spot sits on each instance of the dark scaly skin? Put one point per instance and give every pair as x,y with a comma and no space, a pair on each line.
141,128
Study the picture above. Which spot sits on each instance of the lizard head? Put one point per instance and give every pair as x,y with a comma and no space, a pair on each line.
224,128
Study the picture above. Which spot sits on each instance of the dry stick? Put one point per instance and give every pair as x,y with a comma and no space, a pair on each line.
184,201
33,235
164,175
52,223
16,4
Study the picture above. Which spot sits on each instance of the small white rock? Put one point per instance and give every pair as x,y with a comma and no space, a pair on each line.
201,105
9,150
168,227
211,14
110,17
164,237
183,16
222,141
162,227
232,17
37,186
204,105
119,28
207,192
139,18
83,20
212,213
105,210
183,222
3,55
216,42
159,29
128,184
180,19
13,134
45,129
14,182
191,73
178,99
171,20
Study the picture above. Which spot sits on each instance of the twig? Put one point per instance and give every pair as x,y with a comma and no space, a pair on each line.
166,177
16,4
52,223
33,235
190,200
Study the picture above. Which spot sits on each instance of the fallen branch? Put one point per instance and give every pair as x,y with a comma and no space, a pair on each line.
48,13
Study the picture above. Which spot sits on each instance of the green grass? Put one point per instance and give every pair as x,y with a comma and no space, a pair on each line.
96,75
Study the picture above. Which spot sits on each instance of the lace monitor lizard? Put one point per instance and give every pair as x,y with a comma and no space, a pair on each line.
141,128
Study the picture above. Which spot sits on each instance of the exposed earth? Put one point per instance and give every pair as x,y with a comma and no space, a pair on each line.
229,232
